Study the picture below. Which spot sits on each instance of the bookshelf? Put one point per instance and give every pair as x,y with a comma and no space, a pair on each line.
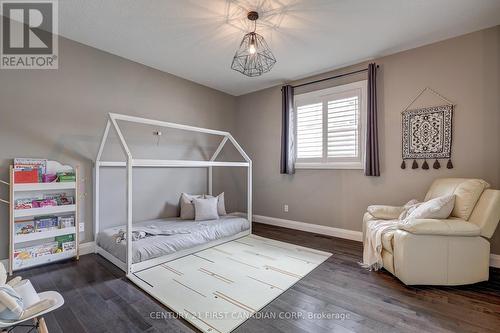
31,244
51,210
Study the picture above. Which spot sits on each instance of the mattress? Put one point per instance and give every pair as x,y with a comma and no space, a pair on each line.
190,234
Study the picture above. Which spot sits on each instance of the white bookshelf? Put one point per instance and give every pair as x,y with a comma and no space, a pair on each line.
38,261
21,241
50,210
44,186
43,235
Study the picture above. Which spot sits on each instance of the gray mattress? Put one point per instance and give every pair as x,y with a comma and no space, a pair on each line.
194,233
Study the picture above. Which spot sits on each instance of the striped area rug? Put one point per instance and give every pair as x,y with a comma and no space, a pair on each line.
219,288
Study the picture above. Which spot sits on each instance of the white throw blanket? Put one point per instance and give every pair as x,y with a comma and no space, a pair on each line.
143,232
375,229
372,245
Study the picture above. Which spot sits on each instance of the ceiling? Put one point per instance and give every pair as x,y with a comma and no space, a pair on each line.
196,39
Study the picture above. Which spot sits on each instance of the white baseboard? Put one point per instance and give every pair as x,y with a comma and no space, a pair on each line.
495,260
330,231
87,248
309,227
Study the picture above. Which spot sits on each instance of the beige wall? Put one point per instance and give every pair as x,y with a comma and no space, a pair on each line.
60,114
465,69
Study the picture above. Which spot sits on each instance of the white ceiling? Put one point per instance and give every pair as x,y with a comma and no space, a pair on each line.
196,39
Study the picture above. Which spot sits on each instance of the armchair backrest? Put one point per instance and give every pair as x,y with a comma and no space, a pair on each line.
486,213
474,202
443,186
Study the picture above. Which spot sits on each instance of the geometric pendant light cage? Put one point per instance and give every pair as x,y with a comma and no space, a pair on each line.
254,57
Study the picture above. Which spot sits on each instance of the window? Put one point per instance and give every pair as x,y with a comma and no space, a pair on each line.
330,127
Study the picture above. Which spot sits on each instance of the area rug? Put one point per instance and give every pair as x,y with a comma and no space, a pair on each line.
217,289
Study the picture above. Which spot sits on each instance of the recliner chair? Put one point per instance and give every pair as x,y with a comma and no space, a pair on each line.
453,251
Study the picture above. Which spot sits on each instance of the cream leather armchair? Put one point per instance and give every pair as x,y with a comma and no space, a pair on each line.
453,251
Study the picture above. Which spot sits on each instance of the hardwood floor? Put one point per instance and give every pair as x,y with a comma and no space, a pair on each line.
100,299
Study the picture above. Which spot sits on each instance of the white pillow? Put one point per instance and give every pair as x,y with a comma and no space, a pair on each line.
205,209
186,203
221,205
437,208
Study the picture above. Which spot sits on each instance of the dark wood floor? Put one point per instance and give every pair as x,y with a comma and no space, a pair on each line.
100,299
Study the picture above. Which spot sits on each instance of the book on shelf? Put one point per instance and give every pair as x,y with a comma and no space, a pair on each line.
66,221
23,227
26,203
46,223
66,242
66,177
29,170
64,239
68,246
43,223
45,200
21,255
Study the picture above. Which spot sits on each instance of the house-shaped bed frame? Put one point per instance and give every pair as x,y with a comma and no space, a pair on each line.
129,267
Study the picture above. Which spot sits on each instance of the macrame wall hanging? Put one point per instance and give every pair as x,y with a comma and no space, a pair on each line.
427,133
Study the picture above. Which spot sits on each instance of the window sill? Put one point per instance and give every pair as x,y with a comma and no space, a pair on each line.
336,165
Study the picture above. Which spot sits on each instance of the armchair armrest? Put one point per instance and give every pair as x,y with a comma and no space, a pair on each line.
448,227
385,212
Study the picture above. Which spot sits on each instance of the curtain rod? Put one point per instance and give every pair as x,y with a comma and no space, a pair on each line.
332,77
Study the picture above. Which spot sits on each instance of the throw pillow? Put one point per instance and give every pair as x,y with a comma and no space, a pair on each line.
186,204
205,209
437,208
221,205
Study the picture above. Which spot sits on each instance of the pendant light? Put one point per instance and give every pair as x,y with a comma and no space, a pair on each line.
253,57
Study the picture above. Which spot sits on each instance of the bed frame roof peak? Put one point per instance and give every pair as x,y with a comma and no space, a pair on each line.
114,117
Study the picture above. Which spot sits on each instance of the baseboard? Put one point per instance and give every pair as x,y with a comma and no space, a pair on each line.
309,227
330,231
87,248
495,260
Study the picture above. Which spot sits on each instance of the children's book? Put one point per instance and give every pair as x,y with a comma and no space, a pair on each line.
23,227
46,223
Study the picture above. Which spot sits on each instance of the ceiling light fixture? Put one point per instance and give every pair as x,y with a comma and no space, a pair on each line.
253,57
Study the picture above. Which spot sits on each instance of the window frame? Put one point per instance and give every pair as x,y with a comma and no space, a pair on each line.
323,96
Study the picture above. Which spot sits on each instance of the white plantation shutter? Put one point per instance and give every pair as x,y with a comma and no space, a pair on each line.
310,131
343,127
330,127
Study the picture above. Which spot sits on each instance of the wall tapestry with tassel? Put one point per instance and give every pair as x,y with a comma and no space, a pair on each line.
427,133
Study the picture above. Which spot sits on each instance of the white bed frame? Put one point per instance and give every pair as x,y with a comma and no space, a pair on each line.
128,266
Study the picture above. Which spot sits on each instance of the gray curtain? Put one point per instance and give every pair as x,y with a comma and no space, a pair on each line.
372,167
287,163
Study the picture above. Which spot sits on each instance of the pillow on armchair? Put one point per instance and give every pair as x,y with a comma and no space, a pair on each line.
437,208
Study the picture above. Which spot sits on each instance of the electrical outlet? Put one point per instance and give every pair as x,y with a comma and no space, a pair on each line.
285,208
81,226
